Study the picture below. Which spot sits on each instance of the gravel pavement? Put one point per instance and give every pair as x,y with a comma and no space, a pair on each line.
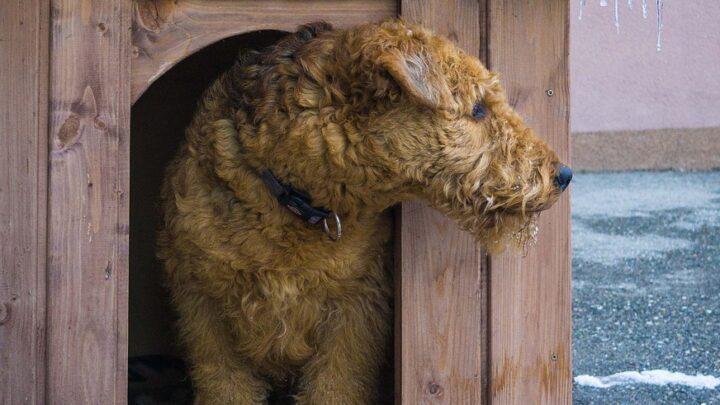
646,282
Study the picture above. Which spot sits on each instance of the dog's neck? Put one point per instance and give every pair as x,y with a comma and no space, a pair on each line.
309,126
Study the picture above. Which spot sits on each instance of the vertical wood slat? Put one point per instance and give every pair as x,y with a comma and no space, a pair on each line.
441,288
23,198
530,320
88,201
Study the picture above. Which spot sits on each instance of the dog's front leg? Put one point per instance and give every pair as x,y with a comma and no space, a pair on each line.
350,355
219,375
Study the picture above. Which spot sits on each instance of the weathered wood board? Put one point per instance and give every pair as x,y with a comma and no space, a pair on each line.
166,31
530,304
23,196
528,307
87,286
441,285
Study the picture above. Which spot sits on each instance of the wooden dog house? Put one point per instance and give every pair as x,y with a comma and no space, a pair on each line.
470,328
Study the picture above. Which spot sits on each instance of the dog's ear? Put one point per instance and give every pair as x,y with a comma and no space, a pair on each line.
418,77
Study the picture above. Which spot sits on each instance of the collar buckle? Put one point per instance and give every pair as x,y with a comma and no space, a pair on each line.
300,204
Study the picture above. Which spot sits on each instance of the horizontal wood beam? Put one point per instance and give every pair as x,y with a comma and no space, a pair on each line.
166,31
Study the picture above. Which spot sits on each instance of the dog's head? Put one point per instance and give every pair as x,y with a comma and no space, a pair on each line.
366,117
448,134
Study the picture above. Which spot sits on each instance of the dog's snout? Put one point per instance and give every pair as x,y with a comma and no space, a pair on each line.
563,177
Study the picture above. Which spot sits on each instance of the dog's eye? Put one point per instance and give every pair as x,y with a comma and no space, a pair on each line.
478,111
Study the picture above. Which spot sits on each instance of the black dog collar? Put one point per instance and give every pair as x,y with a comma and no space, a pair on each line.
299,203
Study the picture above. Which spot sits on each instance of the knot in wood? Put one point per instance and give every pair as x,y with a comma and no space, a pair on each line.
108,271
4,313
435,389
99,124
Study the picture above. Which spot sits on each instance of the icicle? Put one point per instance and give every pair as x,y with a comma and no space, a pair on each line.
630,3
659,5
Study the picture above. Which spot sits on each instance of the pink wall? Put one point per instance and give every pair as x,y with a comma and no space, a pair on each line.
620,82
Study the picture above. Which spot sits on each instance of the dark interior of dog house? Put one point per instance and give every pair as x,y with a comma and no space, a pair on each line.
156,371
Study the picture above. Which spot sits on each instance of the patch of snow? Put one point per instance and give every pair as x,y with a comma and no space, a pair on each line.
615,195
654,377
609,249
683,277
696,219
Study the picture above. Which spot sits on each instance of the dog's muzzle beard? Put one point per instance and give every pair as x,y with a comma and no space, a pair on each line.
495,222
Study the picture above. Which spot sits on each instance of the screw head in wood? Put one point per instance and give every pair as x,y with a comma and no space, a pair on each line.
550,92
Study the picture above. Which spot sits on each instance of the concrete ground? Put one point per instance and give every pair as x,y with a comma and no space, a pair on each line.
646,282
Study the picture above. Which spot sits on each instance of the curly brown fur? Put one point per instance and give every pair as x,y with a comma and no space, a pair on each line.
359,119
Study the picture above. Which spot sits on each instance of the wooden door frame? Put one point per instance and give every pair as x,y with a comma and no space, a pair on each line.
165,32
495,331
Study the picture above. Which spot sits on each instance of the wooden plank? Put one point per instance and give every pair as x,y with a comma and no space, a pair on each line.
530,302
23,197
88,211
441,289
166,31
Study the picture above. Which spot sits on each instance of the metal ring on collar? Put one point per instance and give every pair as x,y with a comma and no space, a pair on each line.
338,227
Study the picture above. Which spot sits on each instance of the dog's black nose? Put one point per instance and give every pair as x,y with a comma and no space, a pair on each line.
564,175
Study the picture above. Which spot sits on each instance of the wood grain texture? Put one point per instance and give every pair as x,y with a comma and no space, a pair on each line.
88,213
23,198
441,289
166,31
530,321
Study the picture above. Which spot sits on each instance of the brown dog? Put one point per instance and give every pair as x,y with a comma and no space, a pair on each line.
331,122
